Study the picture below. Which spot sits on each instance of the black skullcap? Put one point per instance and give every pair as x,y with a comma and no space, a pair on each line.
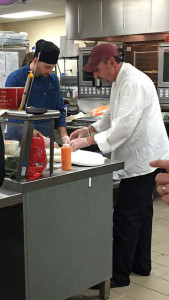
49,52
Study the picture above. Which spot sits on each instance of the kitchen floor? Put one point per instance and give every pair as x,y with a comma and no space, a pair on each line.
155,286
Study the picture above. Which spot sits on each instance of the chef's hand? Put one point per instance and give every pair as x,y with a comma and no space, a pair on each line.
79,143
65,139
162,179
47,142
79,133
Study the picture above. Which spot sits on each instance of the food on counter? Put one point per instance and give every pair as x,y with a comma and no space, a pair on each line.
57,151
56,158
11,163
10,146
98,111
57,155
73,117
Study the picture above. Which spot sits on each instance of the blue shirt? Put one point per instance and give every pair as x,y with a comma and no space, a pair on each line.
45,92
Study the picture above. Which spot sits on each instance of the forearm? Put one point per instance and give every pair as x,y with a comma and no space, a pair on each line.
90,140
91,129
62,131
35,132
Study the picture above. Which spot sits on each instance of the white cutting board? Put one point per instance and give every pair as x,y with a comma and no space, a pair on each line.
87,158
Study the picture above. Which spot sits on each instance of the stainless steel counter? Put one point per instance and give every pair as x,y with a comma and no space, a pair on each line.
67,225
61,177
22,115
9,197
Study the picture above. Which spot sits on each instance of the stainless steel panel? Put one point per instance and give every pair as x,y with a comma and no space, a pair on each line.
113,15
90,18
79,18
160,16
93,19
136,16
72,19
64,228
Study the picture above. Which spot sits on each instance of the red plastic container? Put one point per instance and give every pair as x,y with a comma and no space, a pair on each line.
166,38
10,97
38,160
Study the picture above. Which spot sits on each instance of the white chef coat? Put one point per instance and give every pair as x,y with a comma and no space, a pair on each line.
133,130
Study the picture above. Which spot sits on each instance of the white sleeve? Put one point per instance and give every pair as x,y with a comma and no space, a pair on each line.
104,122
129,110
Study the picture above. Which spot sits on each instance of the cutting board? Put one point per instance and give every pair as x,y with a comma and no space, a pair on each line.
87,158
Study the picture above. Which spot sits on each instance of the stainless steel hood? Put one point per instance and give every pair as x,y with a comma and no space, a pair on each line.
93,19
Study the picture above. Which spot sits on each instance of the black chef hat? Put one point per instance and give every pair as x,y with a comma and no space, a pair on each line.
49,52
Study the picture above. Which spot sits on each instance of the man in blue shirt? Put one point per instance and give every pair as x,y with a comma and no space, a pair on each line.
45,91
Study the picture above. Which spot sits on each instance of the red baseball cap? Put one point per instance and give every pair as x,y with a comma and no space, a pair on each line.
99,53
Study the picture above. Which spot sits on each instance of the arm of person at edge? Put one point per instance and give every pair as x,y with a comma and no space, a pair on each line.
81,138
162,179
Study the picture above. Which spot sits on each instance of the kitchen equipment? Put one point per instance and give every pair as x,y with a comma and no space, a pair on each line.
84,121
163,75
87,104
26,90
87,158
35,110
26,138
10,97
88,85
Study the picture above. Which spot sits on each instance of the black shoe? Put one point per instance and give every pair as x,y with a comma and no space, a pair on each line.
118,283
142,273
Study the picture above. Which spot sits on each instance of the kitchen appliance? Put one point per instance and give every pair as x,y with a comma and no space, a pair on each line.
163,75
88,85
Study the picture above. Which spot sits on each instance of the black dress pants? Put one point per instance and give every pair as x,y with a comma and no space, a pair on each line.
132,227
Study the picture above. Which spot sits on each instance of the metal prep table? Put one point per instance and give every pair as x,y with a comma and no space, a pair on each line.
27,135
67,222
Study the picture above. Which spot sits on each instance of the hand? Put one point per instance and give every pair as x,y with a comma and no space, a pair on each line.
79,133
79,143
47,143
162,179
65,139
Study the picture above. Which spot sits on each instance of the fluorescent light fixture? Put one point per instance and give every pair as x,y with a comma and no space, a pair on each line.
25,14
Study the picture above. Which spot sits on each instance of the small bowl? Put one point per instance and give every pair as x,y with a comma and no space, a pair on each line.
10,146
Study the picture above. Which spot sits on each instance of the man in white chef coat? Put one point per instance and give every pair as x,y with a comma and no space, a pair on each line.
134,132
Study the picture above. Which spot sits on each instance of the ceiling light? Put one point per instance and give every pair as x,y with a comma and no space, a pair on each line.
25,14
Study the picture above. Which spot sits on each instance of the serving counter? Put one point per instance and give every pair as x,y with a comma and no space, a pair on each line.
67,225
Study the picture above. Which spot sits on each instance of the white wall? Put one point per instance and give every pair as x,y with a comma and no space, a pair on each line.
49,29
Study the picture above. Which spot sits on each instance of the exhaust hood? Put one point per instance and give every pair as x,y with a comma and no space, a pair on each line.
91,20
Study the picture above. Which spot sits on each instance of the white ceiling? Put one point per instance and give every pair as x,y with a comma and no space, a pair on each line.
57,7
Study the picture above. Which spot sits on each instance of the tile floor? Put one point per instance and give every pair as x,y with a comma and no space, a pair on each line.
156,286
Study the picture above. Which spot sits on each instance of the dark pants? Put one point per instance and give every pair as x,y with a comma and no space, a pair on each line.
132,227
12,273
